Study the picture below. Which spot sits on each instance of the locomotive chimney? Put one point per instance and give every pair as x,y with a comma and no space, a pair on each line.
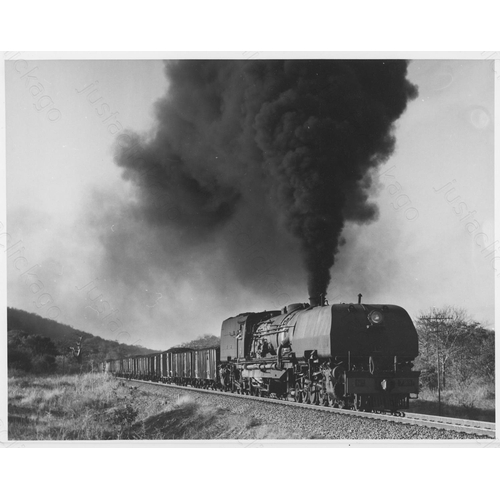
359,297
318,300
314,301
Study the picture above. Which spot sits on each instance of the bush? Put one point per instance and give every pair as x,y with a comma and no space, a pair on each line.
31,353
18,359
44,364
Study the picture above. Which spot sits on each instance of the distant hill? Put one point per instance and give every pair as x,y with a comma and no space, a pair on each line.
63,336
202,342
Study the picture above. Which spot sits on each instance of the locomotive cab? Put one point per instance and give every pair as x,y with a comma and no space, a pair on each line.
237,334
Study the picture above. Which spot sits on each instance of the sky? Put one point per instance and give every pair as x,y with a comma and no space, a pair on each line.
76,253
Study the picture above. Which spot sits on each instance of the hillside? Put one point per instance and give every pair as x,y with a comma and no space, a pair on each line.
63,336
202,342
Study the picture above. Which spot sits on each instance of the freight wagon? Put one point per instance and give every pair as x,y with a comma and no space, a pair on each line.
179,365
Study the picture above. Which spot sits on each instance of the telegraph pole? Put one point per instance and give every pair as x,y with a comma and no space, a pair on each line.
438,341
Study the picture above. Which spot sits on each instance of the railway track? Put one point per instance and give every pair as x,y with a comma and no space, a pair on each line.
437,422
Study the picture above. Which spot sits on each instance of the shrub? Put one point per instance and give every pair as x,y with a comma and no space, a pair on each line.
18,359
44,363
123,417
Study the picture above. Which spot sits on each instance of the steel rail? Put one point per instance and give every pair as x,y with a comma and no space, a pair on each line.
433,421
475,426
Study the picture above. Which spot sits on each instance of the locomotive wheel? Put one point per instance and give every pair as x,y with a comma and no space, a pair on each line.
323,397
298,393
314,395
307,395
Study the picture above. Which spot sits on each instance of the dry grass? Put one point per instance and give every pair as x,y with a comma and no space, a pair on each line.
473,401
98,407
63,407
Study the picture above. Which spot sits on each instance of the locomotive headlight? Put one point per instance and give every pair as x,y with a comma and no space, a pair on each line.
375,317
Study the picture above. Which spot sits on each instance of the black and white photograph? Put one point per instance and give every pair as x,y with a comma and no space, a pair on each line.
242,248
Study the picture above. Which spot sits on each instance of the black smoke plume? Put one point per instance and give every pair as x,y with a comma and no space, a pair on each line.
298,137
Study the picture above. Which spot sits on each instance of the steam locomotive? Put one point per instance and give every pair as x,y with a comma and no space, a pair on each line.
355,356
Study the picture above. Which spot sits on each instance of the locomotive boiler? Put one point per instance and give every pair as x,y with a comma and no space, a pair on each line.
357,356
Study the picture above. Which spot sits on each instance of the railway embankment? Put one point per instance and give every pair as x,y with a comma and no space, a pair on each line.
263,419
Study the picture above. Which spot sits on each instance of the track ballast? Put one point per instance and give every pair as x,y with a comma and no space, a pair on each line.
432,421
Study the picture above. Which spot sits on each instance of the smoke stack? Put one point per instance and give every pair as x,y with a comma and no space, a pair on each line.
318,300
314,301
359,297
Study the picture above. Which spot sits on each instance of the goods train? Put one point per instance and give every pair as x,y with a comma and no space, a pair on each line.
355,356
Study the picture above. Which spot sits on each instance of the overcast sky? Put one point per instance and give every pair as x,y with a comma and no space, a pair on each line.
66,196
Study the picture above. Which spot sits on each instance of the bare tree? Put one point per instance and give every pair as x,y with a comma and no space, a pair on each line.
447,335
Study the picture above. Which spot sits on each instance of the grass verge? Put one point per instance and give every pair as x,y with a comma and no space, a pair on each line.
473,401
99,407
